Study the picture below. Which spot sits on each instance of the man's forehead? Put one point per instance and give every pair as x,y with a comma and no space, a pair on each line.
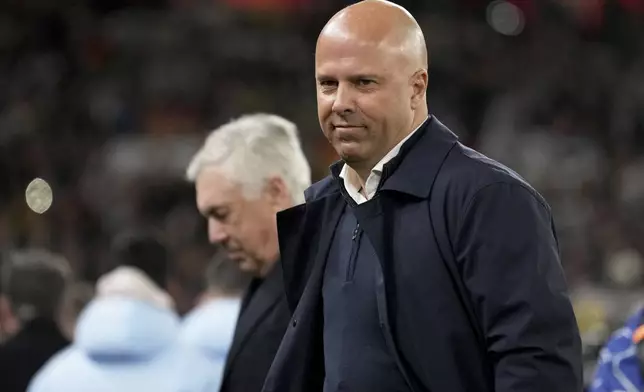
342,38
354,58
369,25
214,188
354,64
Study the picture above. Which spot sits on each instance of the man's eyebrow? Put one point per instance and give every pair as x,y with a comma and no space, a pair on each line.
213,210
324,77
209,211
365,75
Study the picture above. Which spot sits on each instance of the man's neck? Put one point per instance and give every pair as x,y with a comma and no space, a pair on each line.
267,268
362,170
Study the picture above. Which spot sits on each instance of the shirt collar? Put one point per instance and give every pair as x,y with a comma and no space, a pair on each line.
350,174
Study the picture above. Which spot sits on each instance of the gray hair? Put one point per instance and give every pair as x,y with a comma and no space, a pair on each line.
253,148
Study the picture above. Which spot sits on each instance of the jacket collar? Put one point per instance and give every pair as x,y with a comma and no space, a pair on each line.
415,167
263,296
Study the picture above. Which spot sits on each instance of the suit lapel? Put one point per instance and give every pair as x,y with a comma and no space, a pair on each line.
334,208
305,235
258,306
299,363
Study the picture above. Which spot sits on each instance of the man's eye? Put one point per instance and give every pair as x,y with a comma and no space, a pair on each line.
220,216
327,83
365,82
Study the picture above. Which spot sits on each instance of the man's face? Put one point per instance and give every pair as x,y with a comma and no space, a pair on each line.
245,228
363,98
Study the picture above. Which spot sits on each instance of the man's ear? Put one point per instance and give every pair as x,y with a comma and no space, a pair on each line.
419,82
277,193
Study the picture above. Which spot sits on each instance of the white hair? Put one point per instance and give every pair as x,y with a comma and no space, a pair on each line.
253,148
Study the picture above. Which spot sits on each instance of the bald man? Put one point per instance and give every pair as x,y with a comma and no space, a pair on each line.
418,264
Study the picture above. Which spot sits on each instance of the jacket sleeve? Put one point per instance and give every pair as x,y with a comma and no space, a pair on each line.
508,254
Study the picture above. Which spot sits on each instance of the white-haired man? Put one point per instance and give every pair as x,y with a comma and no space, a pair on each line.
247,171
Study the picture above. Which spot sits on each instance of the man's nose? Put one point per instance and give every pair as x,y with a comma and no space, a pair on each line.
344,101
216,232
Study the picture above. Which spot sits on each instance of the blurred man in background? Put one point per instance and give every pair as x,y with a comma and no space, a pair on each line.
126,339
211,325
247,171
34,282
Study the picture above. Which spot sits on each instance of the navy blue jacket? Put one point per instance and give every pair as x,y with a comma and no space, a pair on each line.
471,297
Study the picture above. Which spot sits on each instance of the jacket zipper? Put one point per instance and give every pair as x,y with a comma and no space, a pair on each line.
353,256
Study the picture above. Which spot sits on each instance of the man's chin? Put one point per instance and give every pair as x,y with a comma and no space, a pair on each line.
247,266
350,155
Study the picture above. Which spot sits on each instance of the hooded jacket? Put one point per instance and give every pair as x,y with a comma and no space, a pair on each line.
210,328
127,340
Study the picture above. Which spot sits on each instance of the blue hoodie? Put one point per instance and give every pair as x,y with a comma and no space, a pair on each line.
210,328
126,345
618,368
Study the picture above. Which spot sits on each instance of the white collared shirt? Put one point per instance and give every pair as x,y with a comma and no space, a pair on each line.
352,183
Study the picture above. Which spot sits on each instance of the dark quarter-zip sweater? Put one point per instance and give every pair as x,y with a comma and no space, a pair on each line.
356,355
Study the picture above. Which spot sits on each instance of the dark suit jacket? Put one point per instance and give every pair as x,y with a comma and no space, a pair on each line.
25,353
260,328
471,294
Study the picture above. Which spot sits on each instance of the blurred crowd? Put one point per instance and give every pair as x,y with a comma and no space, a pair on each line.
108,101
58,332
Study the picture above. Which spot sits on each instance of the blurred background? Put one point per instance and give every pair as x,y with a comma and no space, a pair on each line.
107,100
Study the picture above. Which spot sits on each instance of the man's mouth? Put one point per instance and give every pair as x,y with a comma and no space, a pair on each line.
346,126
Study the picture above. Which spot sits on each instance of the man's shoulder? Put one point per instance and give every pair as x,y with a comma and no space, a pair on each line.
22,344
8,346
467,171
322,188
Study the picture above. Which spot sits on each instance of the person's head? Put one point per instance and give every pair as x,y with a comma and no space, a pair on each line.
224,278
248,170
371,76
35,282
143,250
